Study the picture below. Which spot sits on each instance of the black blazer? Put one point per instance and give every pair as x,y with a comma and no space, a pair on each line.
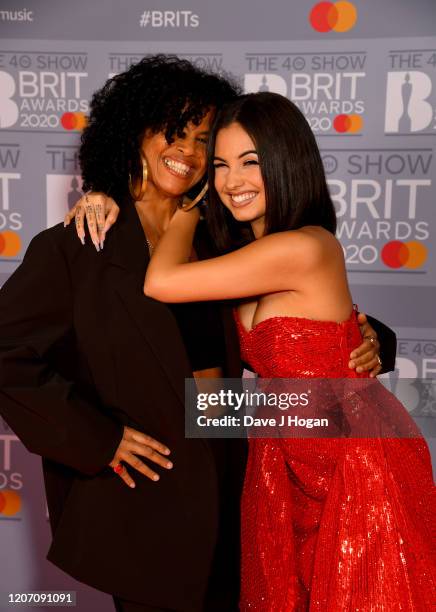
83,352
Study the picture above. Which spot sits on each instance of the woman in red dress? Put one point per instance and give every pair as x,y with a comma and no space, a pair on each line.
328,524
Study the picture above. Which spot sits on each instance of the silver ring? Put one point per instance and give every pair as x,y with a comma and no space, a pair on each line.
372,339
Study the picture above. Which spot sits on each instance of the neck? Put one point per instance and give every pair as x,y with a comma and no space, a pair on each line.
258,227
155,211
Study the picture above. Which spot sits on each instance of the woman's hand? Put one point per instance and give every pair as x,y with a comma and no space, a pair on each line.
136,443
366,356
101,213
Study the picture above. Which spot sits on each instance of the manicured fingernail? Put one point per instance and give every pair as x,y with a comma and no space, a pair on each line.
97,248
359,369
351,364
132,486
155,477
169,465
82,240
167,451
353,355
101,244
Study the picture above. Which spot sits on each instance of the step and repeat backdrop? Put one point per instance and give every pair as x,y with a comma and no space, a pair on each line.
363,73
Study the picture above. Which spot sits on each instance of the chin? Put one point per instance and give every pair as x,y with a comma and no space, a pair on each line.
176,191
244,215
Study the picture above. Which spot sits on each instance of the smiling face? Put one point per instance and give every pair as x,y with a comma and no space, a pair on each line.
238,179
174,168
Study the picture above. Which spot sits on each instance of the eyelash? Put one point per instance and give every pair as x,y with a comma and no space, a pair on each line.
249,162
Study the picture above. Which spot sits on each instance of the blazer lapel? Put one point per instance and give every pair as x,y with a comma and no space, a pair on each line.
127,257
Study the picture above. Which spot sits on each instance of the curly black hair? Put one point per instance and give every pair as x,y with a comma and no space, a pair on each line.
160,93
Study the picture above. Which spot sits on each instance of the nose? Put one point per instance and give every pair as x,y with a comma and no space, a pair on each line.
234,179
185,146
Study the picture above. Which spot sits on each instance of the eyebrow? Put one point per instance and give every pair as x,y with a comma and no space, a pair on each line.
239,156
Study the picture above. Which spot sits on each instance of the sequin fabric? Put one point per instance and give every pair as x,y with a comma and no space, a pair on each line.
332,525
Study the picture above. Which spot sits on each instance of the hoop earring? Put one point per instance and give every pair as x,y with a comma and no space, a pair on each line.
190,204
138,196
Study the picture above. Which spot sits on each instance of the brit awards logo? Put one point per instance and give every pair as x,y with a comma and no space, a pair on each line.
327,88
383,201
408,109
43,91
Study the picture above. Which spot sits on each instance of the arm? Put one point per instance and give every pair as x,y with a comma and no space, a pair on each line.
255,269
48,412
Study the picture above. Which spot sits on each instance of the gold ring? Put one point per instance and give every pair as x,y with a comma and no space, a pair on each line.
379,360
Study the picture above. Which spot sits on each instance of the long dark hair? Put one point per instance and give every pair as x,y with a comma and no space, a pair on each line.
295,186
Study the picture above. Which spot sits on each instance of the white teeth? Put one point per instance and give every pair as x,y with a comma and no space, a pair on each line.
178,167
243,196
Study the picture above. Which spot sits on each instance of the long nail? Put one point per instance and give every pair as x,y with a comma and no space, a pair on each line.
101,244
97,248
82,240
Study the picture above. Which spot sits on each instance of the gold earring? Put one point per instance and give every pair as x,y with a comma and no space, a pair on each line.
139,195
191,203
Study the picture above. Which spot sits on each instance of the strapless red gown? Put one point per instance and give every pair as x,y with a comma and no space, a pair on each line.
333,525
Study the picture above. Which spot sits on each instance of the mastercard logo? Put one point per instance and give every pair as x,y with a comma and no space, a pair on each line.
73,121
336,16
348,123
397,254
10,503
10,244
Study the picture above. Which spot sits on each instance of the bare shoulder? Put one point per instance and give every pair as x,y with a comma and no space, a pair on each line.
319,237
310,243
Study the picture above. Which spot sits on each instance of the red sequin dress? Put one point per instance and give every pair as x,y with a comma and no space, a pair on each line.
333,525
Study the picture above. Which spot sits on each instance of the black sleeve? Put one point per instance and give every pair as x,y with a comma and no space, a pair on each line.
202,332
388,344
46,411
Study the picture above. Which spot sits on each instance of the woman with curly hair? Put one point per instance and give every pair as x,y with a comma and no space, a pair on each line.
92,372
